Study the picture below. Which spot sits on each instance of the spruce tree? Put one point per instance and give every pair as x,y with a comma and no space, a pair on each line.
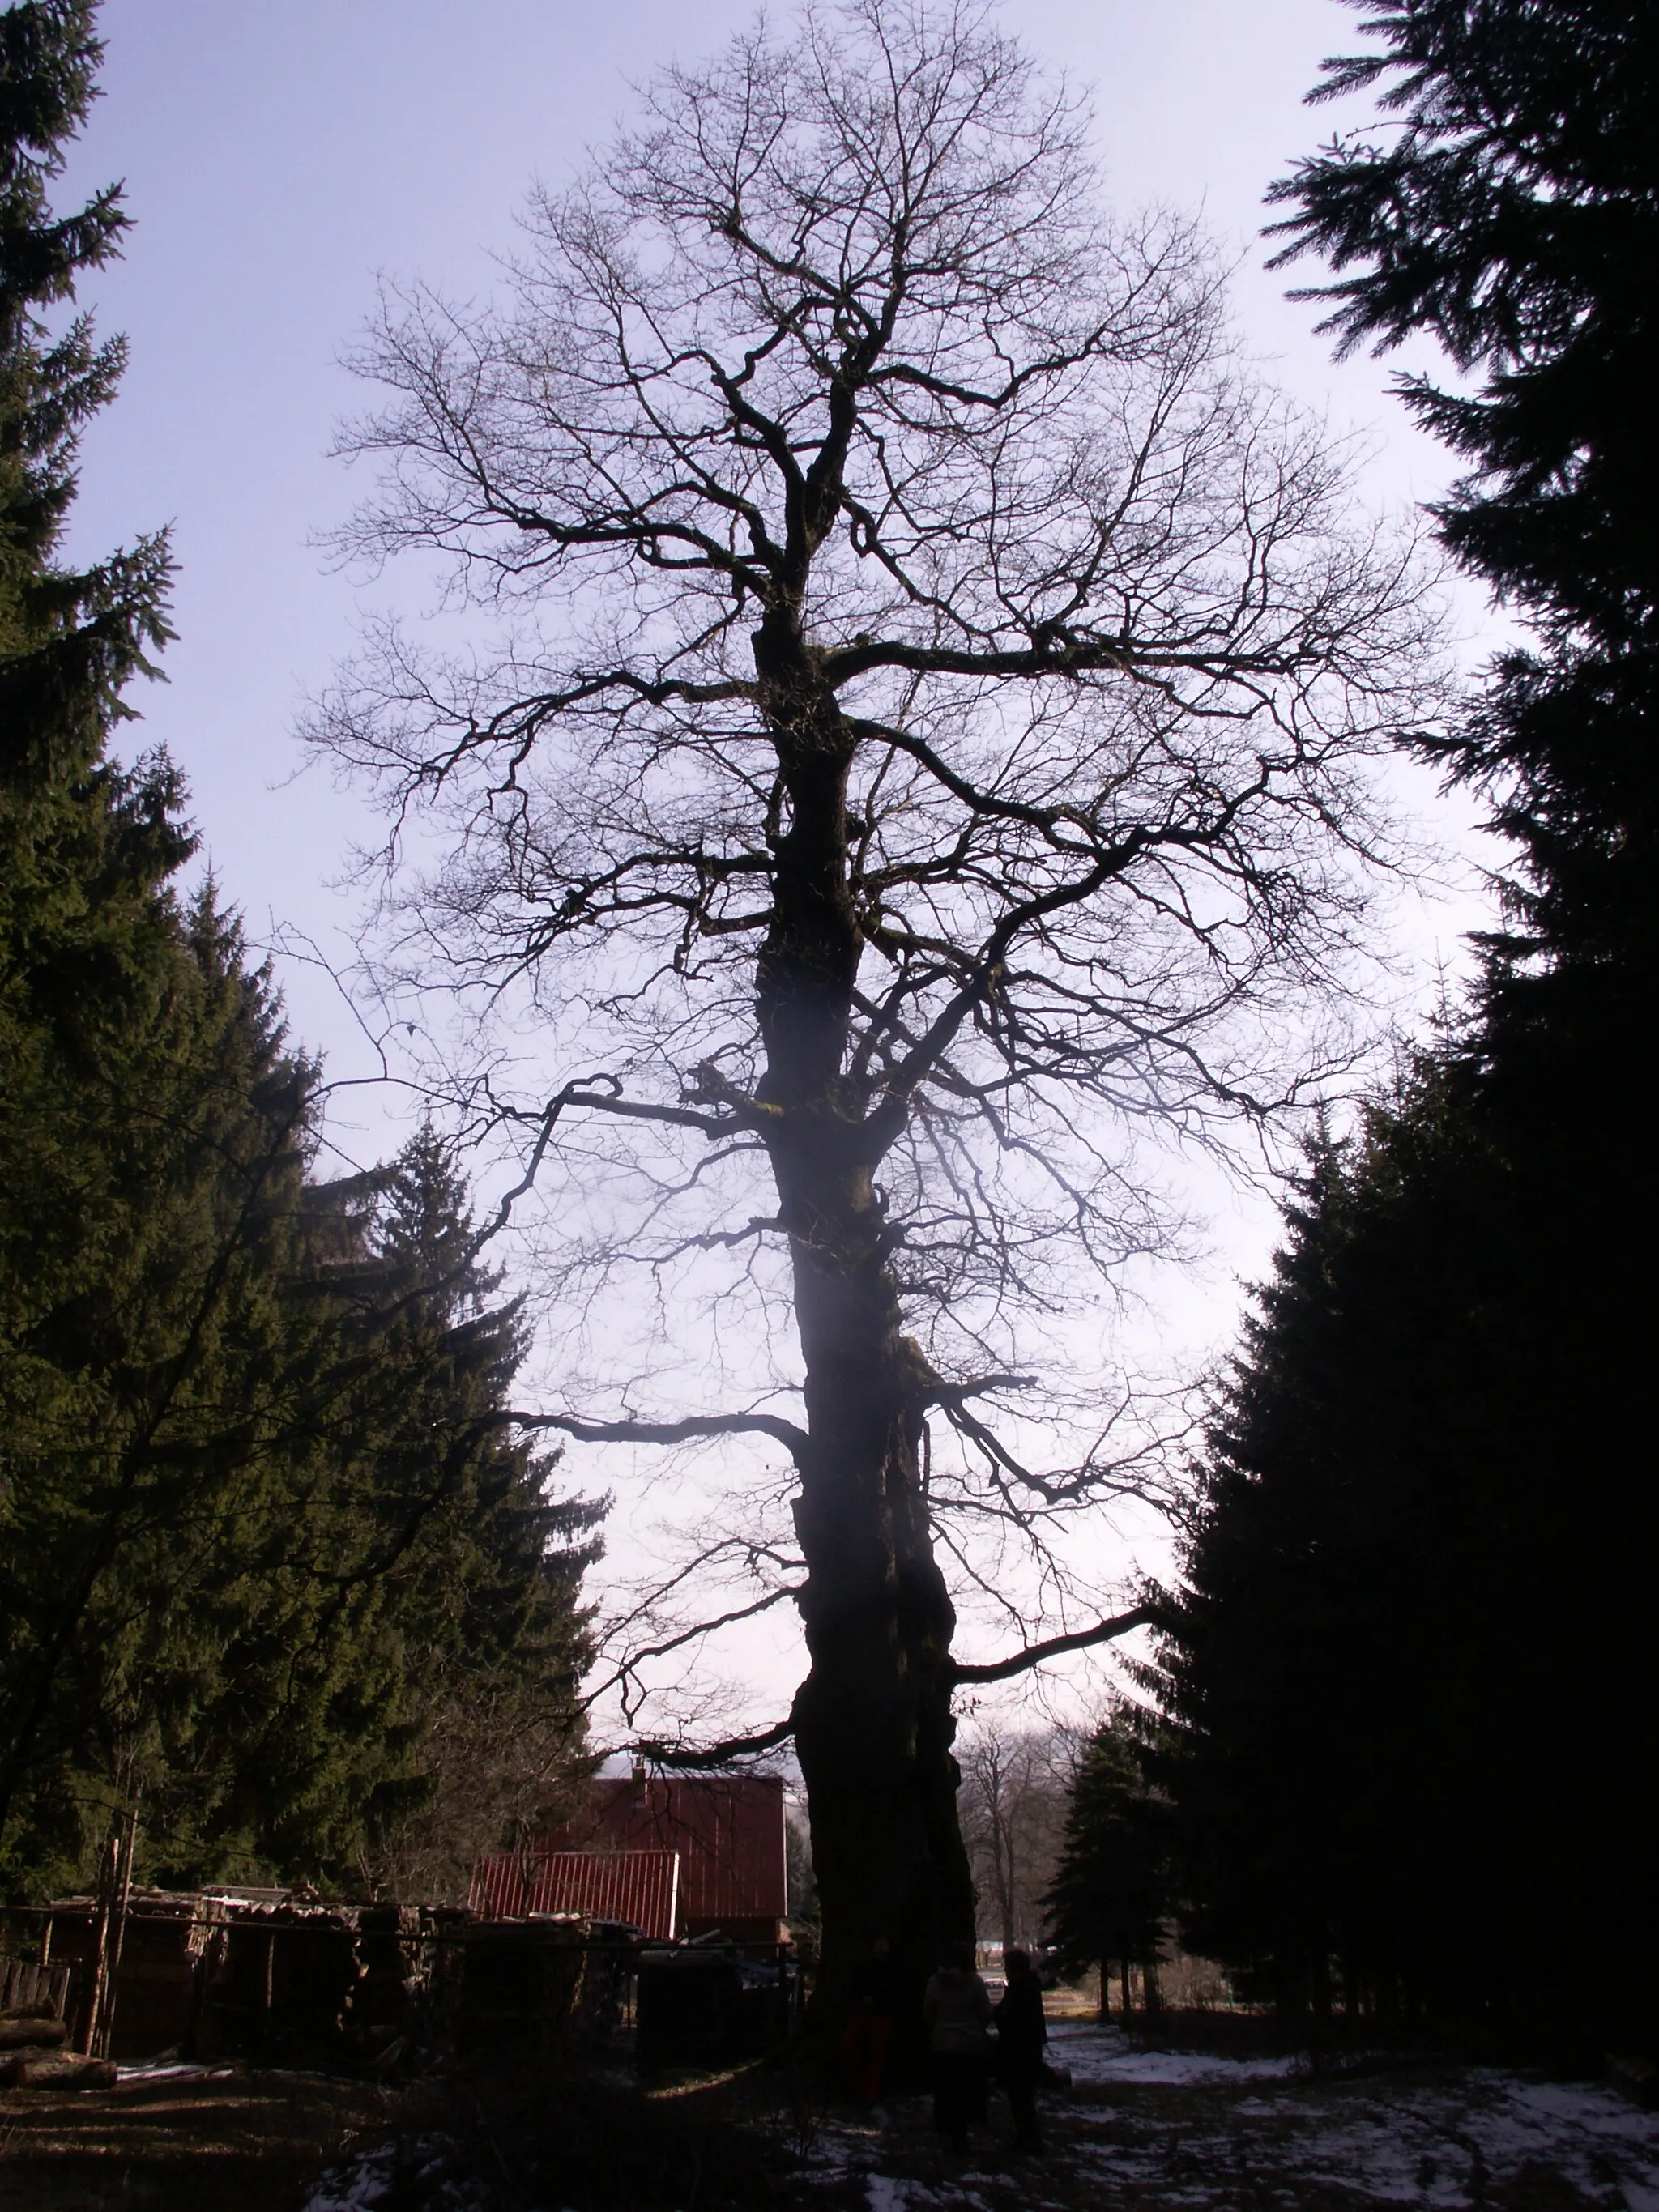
150,1393
1111,1894
264,1522
400,1686
1418,1582
493,1625
150,1122
88,960
1350,1679
1512,215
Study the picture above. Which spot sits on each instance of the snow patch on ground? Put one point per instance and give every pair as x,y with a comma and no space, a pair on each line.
171,2070
1105,2055
420,2172
1165,2131
1437,2144
884,2193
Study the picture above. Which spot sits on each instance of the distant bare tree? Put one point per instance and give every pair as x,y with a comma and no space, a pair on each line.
500,1762
1016,1783
924,738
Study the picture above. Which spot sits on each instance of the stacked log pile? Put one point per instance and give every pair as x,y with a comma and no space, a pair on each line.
158,1975
279,1979
33,2032
274,1980
155,1974
520,1982
384,2013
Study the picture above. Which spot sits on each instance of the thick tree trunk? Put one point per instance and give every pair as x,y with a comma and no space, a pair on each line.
873,1725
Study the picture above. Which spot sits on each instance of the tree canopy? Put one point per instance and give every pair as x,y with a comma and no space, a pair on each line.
921,735
1509,213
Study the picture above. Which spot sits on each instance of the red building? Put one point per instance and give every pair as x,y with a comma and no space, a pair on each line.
723,1835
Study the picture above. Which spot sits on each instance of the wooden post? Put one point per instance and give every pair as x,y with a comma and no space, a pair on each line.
99,1964
117,1934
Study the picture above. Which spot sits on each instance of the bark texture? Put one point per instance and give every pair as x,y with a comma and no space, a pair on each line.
874,1722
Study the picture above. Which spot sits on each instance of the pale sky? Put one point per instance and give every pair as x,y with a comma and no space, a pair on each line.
277,157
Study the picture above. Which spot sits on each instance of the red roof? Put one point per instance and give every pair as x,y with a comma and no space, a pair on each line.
637,1887
727,1829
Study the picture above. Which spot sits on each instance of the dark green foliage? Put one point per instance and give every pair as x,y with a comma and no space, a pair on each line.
1513,215
273,1553
68,640
93,990
427,1577
1111,1898
1413,1678
150,1194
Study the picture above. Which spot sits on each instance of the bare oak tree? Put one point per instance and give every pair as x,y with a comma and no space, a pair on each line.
922,734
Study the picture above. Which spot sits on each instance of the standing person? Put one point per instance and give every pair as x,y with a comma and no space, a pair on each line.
870,2025
1022,2032
957,2006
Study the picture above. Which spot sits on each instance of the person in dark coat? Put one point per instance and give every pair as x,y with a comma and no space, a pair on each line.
958,2008
1022,2032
